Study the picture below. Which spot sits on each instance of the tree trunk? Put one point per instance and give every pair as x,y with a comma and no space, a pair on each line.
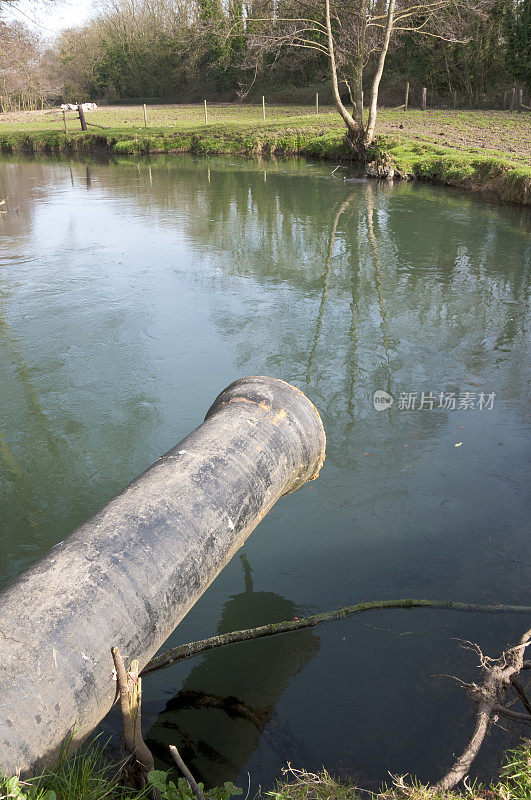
358,93
354,132
371,124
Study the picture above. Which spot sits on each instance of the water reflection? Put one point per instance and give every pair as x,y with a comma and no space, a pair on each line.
52,458
227,702
326,275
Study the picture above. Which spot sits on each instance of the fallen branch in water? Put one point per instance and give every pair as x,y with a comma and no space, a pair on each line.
185,651
489,697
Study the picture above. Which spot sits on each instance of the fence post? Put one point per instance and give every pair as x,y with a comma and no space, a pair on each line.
424,92
511,106
406,98
263,107
317,102
81,116
145,116
64,120
206,114
520,97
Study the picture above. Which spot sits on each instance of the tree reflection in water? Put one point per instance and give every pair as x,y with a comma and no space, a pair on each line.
217,731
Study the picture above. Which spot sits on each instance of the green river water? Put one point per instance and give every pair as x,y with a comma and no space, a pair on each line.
131,294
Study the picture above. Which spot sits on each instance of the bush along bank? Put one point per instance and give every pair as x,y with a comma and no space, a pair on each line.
388,158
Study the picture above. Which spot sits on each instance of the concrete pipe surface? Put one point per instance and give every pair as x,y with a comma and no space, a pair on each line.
128,575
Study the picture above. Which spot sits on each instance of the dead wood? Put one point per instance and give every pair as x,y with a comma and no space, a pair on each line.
489,699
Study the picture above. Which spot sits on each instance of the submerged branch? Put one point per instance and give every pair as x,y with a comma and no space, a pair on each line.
190,649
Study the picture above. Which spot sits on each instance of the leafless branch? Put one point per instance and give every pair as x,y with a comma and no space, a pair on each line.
186,772
488,699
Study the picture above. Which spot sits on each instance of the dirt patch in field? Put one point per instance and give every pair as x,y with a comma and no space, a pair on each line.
497,132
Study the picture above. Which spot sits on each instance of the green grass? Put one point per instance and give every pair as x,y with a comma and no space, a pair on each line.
515,778
476,150
514,783
87,776
84,776
501,176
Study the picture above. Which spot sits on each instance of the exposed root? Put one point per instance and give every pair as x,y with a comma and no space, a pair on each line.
489,699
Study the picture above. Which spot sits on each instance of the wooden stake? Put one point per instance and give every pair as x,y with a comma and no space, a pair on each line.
130,693
317,102
406,97
81,117
64,120
513,92
186,772
206,114
145,116
263,106
424,92
520,97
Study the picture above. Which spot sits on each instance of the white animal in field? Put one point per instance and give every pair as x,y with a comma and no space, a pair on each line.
84,106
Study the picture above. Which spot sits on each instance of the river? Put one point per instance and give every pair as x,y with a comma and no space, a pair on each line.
132,293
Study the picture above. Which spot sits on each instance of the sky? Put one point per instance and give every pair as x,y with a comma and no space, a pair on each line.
49,22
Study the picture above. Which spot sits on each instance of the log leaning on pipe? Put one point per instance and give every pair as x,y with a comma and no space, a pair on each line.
128,575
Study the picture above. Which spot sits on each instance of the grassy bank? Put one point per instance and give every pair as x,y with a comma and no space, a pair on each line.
514,783
86,776
476,150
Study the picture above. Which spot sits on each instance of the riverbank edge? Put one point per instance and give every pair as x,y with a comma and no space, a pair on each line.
88,775
389,158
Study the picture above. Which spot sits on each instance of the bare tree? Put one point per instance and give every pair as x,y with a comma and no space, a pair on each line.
24,83
14,4
354,35
23,10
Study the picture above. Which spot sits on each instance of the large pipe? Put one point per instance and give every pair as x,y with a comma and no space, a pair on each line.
128,575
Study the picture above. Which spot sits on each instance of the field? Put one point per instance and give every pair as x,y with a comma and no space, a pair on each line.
485,132
476,150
